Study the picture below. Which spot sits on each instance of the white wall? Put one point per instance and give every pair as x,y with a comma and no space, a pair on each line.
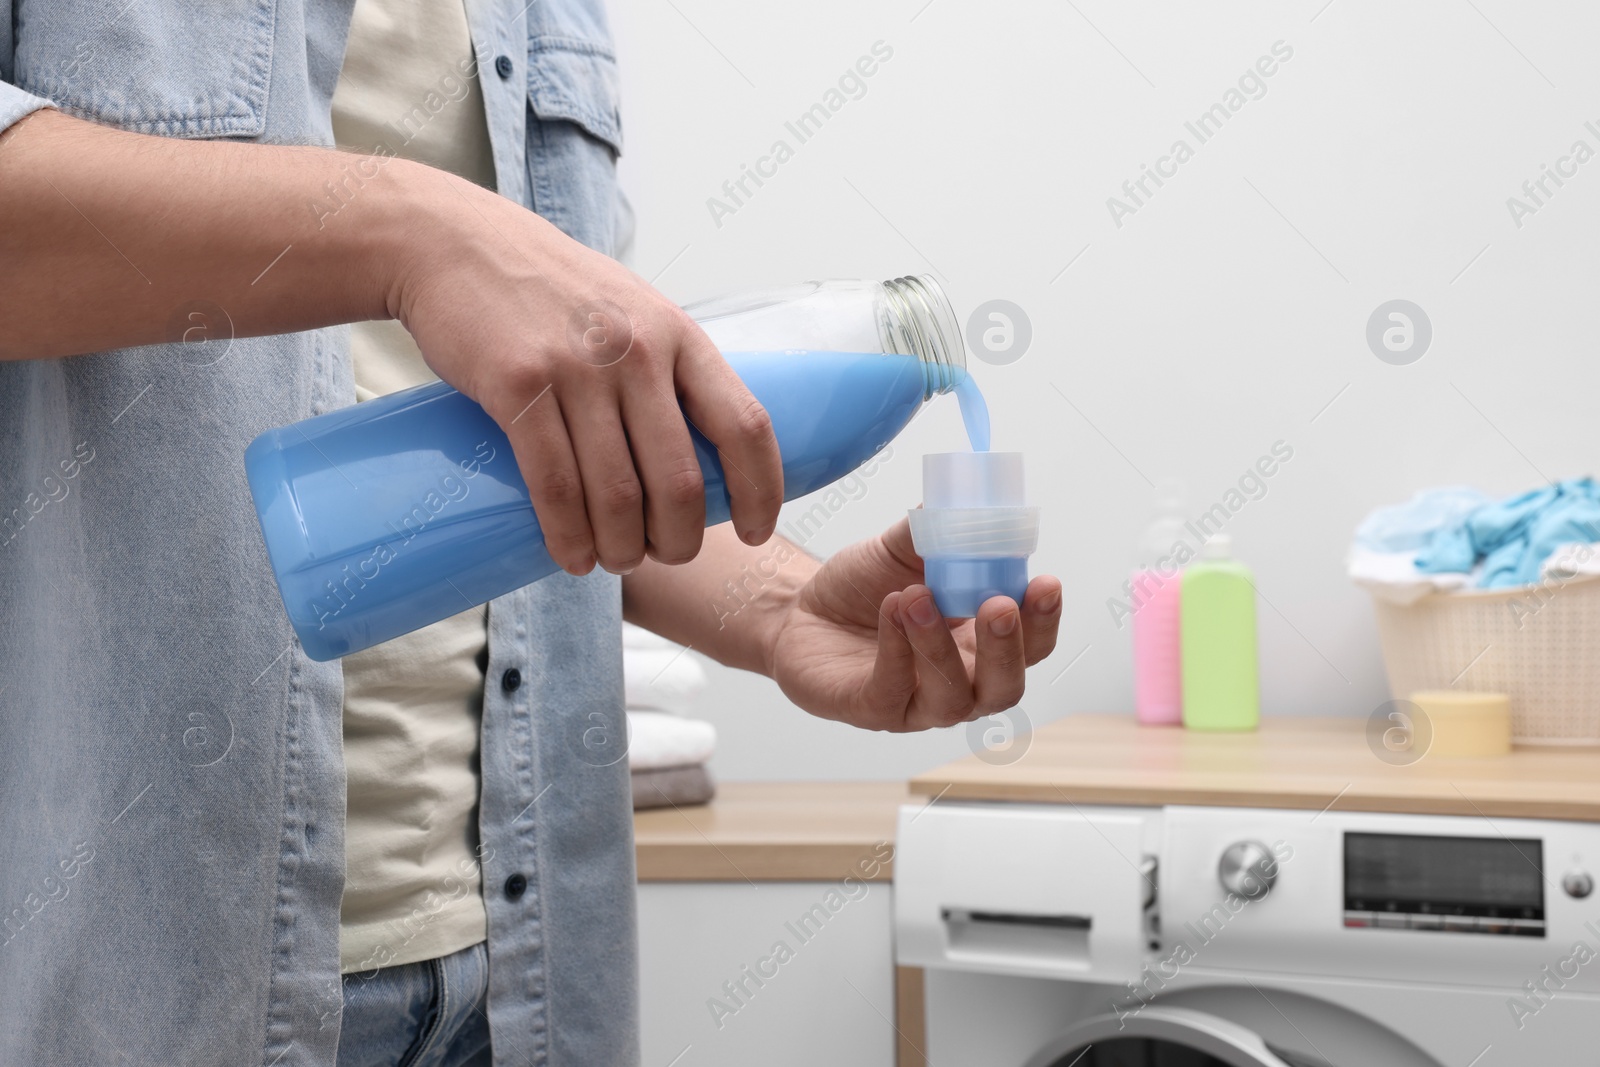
1222,316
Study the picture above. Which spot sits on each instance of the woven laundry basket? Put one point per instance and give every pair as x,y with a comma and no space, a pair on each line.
1540,645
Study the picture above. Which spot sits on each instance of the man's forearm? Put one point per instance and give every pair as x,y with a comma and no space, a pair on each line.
728,602
110,240
105,236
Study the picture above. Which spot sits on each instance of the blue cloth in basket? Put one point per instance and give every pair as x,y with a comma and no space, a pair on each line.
1513,537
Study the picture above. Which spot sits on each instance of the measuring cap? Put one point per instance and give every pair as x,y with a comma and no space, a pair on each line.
974,530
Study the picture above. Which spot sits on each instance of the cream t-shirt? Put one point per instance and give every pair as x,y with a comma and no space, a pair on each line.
412,706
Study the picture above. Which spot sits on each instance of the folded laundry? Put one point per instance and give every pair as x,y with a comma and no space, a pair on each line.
1512,538
674,786
658,674
667,754
656,740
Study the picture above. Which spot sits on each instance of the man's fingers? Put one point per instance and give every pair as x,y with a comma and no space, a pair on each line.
740,428
674,487
944,693
544,454
998,673
897,541
894,672
612,495
897,544
1041,618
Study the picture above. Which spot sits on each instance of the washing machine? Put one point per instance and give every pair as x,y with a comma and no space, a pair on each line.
1058,935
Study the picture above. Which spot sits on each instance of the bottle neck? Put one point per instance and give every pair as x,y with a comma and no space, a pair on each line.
919,321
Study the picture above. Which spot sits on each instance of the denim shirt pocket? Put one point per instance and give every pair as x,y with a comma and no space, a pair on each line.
196,70
575,80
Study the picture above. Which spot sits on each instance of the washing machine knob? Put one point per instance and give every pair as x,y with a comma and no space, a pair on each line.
1578,884
1249,869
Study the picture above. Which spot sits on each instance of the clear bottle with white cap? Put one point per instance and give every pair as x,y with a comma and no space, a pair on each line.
975,530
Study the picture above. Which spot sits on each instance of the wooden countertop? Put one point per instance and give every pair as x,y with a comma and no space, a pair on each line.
823,831
1311,763
772,831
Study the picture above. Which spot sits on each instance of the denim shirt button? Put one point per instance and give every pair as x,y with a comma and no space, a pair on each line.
516,885
511,681
502,66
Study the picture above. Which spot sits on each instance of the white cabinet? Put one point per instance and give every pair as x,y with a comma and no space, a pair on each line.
736,974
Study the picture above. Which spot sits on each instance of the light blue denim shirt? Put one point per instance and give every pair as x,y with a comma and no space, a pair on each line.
171,781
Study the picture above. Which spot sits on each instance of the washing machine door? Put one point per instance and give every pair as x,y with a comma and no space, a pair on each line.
1161,1036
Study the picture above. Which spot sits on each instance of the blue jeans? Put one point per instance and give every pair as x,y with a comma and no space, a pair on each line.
426,1014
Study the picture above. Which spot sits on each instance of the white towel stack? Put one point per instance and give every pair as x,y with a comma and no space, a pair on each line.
667,753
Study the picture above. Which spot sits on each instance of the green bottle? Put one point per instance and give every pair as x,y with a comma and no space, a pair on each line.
1218,613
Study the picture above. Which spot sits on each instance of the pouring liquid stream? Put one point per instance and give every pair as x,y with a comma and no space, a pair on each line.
974,413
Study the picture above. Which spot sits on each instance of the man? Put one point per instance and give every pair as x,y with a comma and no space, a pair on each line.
172,766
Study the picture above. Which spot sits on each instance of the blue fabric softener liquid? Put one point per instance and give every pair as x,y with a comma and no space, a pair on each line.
974,412
385,517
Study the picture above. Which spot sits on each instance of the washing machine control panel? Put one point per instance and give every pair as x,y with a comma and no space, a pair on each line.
1453,900
1444,883
1149,895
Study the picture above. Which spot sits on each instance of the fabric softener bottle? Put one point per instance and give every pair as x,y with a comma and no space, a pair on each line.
1155,596
1218,612
384,517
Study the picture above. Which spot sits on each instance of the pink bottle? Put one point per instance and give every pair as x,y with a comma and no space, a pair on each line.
1157,664
1154,597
